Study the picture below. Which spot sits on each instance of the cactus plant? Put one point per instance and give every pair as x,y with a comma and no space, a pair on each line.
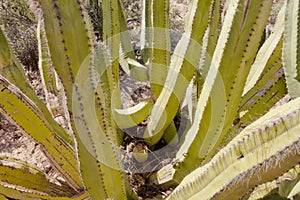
222,81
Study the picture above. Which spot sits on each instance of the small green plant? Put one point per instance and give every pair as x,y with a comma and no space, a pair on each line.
221,81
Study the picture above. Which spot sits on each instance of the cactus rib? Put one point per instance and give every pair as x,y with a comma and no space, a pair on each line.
257,155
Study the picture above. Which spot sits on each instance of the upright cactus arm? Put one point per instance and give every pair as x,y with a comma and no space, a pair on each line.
145,30
64,24
125,38
183,64
270,87
108,67
265,52
241,48
98,149
261,152
45,63
268,74
235,51
160,46
48,75
211,38
291,48
112,39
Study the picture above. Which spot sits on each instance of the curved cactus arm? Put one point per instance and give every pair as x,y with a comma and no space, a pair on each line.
132,116
265,52
291,48
264,150
23,175
127,55
137,70
21,110
183,64
295,191
132,68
